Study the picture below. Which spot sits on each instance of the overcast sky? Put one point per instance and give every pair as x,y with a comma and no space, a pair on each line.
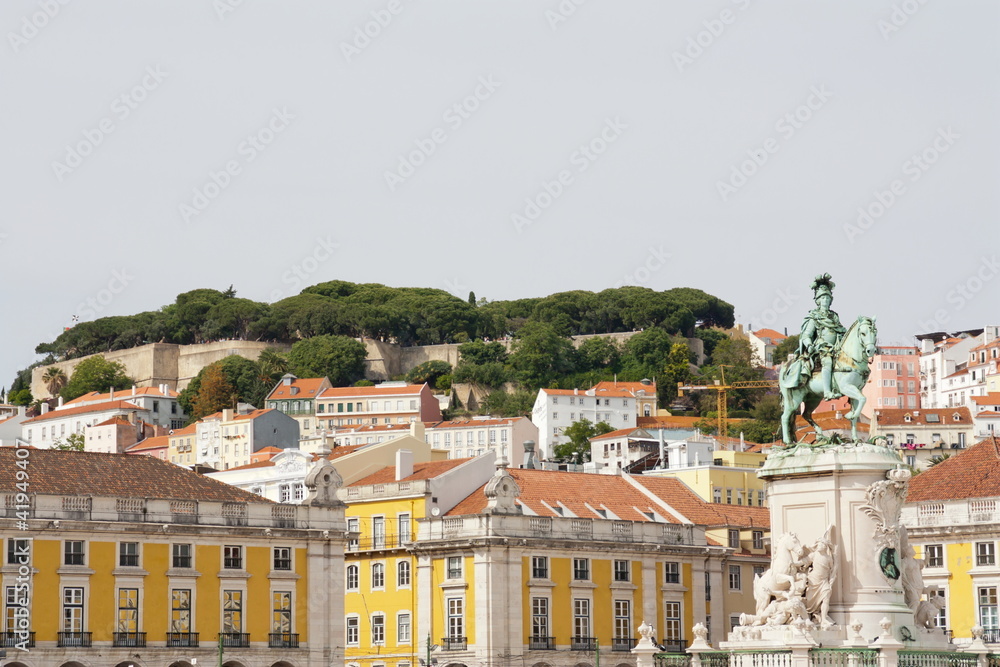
154,147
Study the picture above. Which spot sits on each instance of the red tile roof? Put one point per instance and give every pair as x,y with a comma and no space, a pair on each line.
155,442
985,346
634,387
122,394
775,336
307,388
667,422
622,432
187,430
961,371
679,496
973,473
428,470
993,398
472,423
345,392
117,420
253,414
84,409
897,416
55,472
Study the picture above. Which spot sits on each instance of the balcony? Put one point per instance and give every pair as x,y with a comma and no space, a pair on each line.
542,644
622,644
130,639
75,639
283,640
235,639
182,639
583,644
13,639
454,643
673,645
991,635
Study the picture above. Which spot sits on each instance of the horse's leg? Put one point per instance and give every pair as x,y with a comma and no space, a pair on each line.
853,391
810,402
787,408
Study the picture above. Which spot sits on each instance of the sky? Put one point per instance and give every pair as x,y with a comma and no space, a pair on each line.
514,148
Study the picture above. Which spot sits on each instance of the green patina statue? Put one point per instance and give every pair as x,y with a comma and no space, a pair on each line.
830,362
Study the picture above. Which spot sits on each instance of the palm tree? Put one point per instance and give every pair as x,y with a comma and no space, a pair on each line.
55,379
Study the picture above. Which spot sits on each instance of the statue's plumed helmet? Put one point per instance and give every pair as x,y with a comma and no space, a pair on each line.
822,284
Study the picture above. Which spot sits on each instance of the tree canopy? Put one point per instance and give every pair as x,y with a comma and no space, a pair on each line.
577,450
339,358
95,374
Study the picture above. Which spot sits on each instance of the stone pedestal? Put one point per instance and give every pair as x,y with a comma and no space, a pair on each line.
855,491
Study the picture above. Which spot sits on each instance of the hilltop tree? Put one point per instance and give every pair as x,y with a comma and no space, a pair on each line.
339,358
95,374
541,355
214,394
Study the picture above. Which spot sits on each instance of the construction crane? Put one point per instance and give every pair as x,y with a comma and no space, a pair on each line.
721,397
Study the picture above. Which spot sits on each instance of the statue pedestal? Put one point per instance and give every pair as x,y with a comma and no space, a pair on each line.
856,491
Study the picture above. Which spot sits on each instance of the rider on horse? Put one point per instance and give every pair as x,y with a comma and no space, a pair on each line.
821,334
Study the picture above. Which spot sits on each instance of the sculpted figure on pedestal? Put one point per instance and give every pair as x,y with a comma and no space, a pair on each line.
822,573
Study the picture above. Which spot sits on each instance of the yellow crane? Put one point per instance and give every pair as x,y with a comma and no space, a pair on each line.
721,387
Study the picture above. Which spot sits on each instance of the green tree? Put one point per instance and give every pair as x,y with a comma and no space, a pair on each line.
95,374
214,394
785,348
599,352
339,358
74,443
577,450
428,372
20,397
500,403
541,355
55,379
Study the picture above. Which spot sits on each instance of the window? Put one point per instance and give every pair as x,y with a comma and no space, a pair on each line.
378,532
128,610
403,574
456,618
281,614
935,555
74,554
352,577
729,496
758,570
985,553
378,628
581,569
623,619
128,554
735,582
13,603
282,558
352,631
403,531
734,538
403,628
581,618
758,539
232,557
988,607
18,551
672,621
621,570
941,619
73,609
378,575
540,617
232,611
708,586
180,610
353,526
672,573
539,567
454,567
717,495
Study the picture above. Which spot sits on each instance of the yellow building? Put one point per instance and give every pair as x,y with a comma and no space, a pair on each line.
117,560
718,476
952,518
498,566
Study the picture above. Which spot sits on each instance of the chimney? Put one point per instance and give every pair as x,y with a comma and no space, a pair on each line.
576,392
133,390
22,410
404,464
529,455
227,414
59,402
111,394
45,407
417,430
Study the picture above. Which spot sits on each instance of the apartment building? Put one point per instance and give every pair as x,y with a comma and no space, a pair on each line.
160,403
894,381
922,435
947,362
52,427
385,403
133,560
296,397
986,415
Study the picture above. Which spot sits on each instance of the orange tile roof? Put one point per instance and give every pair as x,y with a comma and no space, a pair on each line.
55,472
973,473
770,333
122,394
428,470
679,496
307,388
344,392
962,371
187,430
985,346
368,428
84,409
253,414
155,442
574,490
988,414
471,423
618,434
896,416
993,398
634,387
117,420
604,392
269,449
667,422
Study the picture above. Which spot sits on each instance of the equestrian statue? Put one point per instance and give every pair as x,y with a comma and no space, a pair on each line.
830,362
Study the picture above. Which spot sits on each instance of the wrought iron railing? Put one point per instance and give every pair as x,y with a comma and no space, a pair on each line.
583,644
235,639
843,657
622,644
81,639
991,635
454,643
130,639
283,640
11,639
541,643
182,639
